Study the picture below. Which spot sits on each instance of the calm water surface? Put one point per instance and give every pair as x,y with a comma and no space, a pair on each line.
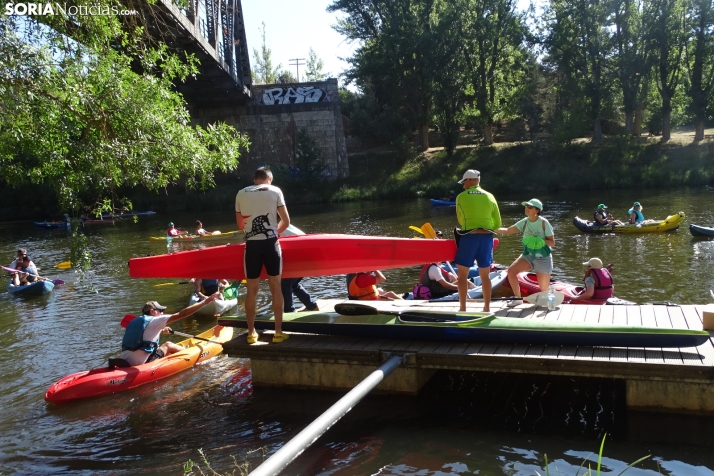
462,423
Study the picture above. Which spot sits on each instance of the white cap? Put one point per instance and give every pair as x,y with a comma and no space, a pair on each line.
595,263
470,174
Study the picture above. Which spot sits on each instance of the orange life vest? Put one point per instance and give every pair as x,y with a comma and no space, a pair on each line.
354,292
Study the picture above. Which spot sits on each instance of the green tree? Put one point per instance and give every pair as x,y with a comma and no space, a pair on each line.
314,66
700,61
393,56
285,76
665,24
492,33
578,42
632,62
75,115
263,70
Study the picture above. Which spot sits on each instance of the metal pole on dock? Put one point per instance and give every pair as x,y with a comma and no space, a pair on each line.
285,455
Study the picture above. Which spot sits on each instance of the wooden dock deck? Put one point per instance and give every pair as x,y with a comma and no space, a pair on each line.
670,379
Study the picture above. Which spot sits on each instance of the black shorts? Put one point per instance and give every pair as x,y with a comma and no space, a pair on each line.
155,355
262,252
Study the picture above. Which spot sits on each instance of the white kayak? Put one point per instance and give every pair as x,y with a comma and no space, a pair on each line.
219,307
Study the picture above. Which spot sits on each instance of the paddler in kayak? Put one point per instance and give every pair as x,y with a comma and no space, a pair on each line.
478,215
17,262
173,231
602,217
363,287
141,338
598,281
635,213
538,238
257,209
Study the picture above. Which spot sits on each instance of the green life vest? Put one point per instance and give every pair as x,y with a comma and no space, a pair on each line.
535,245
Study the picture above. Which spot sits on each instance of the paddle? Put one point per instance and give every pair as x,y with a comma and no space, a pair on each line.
711,291
56,282
170,284
64,265
541,298
130,317
357,309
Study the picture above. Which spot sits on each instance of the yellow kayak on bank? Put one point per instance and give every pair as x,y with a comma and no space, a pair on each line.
672,222
207,237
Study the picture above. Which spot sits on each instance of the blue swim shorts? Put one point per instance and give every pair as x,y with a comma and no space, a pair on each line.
475,247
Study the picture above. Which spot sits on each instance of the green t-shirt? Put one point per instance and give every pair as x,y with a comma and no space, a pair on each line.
476,208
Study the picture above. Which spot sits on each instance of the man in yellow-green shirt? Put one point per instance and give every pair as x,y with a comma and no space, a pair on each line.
478,216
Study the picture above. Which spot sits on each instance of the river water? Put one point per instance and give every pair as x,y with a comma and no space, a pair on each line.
462,423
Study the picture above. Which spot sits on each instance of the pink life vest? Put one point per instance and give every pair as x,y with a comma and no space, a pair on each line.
603,283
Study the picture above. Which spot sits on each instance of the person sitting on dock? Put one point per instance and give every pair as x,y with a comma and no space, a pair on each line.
598,281
173,231
602,217
635,213
141,338
439,281
363,287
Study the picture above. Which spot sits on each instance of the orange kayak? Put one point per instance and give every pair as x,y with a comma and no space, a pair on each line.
96,382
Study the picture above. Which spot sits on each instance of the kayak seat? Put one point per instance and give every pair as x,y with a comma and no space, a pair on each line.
118,364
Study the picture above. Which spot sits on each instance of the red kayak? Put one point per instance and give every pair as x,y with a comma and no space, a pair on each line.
529,285
303,255
102,381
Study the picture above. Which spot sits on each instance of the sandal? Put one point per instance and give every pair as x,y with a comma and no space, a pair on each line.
252,338
278,338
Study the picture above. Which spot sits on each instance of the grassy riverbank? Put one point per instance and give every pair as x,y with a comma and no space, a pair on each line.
617,162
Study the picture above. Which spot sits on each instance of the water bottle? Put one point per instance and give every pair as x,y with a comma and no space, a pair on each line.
551,298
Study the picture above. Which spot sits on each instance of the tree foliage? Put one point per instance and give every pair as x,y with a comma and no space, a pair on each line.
314,67
263,70
74,113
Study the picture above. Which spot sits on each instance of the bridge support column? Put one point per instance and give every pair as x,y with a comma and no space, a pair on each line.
335,376
670,397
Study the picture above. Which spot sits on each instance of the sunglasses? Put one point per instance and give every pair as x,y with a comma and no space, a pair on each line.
530,206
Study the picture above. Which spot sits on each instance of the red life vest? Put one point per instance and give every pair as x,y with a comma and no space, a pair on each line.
603,283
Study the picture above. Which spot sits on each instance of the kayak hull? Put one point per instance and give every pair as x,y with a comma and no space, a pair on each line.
476,327
303,255
528,283
102,381
220,306
207,237
442,203
697,230
670,223
37,288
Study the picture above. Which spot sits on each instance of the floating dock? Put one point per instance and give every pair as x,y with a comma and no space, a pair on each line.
656,379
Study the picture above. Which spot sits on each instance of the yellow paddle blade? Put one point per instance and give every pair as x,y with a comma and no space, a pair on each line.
244,282
418,230
164,284
428,231
64,265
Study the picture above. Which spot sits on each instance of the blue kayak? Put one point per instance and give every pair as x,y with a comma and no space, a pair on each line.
443,203
51,224
37,288
697,230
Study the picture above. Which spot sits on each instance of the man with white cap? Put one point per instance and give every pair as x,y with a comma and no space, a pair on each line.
141,338
478,215
598,281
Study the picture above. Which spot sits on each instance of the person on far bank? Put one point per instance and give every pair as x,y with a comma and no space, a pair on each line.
478,215
258,207
141,338
635,213
602,217
173,231
538,238
598,281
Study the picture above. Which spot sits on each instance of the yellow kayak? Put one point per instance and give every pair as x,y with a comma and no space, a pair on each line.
672,222
207,237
